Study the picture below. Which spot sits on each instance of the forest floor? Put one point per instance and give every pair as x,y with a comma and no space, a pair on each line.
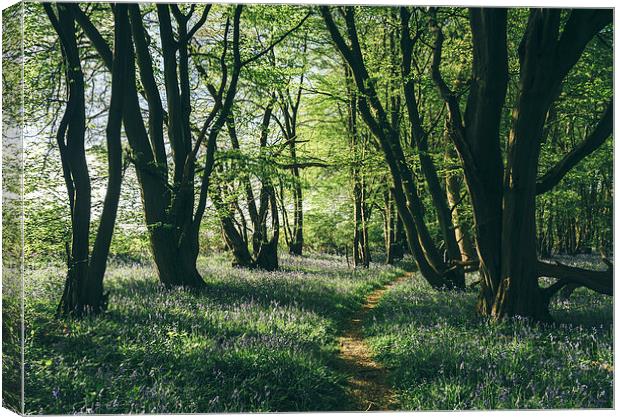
314,336
368,379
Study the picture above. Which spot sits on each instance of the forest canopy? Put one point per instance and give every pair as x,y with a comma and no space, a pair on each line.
436,131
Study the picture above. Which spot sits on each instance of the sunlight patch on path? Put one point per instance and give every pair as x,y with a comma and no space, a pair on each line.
367,381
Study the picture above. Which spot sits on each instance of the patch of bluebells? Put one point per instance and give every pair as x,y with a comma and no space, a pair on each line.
253,341
444,357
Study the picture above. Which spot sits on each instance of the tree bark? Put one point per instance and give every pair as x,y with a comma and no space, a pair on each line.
83,292
71,138
96,299
504,200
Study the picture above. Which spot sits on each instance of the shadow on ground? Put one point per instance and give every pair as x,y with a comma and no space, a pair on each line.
253,341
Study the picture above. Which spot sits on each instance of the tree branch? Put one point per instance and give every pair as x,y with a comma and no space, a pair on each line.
599,281
274,44
589,145
197,26
93,34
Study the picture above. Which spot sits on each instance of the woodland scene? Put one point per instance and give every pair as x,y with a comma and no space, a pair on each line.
268,208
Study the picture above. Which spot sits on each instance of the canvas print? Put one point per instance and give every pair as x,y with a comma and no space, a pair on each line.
213,208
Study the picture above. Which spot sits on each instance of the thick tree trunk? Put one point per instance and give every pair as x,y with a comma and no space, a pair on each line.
519,293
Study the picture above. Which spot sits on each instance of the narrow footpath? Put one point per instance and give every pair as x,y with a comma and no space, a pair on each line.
367,381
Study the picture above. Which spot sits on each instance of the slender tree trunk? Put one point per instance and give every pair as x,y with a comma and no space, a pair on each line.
453,192
357,257
267,257
361,249
96,300
395,239
71,138
388,228
83,291
297,237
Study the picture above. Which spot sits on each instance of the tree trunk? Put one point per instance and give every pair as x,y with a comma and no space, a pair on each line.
453,192
361,249
70,138
96,299
83,292
236,243
267,257
297,237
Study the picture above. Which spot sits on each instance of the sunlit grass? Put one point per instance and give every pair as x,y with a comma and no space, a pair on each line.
266,341
442,356
254,341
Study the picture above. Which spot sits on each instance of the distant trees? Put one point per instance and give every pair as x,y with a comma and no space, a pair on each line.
264,248
410,207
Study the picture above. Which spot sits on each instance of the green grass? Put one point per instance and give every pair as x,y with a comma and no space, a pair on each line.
258,341
443,357
254,341
11,339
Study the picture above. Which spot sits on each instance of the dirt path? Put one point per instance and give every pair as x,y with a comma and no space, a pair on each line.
367,382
